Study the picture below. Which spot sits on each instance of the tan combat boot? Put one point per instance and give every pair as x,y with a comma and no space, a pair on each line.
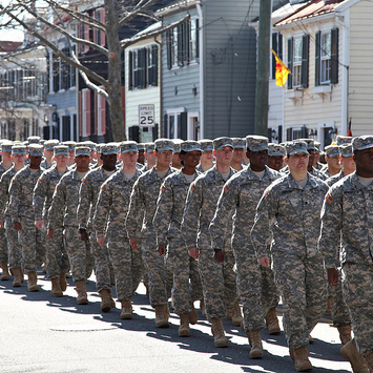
161,316
217,330
300,357
82,292
350,353
32,280
344,334
256,344
184,325
106,300
236,314
5,275
56,287
192,315
18,277
126,313
272,322
63,282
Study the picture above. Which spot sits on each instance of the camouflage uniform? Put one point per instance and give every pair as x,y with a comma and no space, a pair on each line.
109,220
256,286
218,280
293,215
3,244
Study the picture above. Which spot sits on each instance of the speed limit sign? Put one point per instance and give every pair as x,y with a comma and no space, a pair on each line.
146,115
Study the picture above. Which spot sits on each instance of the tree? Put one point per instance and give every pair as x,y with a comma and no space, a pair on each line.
119,15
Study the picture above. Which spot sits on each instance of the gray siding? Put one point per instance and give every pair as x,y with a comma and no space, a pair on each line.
63,100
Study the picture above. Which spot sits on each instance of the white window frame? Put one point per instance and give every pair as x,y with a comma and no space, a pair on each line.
325,58
297,62
173,113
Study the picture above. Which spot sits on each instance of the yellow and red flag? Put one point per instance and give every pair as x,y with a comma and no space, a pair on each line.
282,71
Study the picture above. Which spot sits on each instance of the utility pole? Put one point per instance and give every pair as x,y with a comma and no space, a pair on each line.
262,74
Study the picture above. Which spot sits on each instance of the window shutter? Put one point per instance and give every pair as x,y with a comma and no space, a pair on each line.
197,38
95,113
280,51
182,126
130,71
153,73
88,112
317,58
180,45
103,35
80,113
334,57
305,60
289,134
101,115
86,37
164,131
123,91
155,132
169,48
274,47
95,32
304,132
142,68
187,41
290,62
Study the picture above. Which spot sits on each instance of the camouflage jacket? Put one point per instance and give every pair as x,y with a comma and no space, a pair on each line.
112,204
335,178
240,196
347,215
47,165
200,207
143,202
5,180
20,193
293,216
170,207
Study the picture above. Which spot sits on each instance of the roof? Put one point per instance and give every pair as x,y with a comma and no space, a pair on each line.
312,9
9,46
175,6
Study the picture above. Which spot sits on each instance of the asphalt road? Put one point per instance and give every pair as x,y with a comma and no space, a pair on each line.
40,333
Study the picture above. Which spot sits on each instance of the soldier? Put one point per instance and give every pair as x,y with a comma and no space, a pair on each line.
139,226
316,164
276,154
256,286
332,158
207,158
167,223
48,160
141,157
109,219
176,160
23,215
290,207
13,246
346,227
149,156
66,198
347,164
239,146
89,190
71,145
216,266
56,255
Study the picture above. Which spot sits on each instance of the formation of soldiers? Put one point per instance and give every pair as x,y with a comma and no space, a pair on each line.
230,222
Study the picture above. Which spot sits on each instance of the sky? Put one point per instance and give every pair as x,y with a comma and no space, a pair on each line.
10,35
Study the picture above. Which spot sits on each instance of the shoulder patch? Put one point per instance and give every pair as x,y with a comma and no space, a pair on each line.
266,193
193,186
103,188
57,187
226,188
40,180
329,198
84,181
163,188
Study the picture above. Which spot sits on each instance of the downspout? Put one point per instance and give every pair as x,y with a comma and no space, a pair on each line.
201,73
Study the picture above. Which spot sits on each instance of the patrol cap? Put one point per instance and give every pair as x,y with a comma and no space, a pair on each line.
222,142
343,139
33,139
362,142
296,147
35,150
177,145
6,146
110,148
206,145
310,144
61,150
82,150
70,144
256,143
190,146
90,144
238,143
346,150
99,148
317,146
141,146
276,150
50,144
332,150
163,144
19,149
129,146
149,147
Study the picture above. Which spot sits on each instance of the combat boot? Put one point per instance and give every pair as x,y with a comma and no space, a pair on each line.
63,282
272,321
126,313
217,330
18,277
32,280
105,300
256,344
5,275
56,287
300,357
350,353
369,359
161,316
184,325
236,314
82,292
192,315
344,334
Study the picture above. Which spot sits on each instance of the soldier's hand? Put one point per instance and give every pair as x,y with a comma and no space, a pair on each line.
84,236
100,240
39,224
1,224
194,252
162,250
263,261
17,226
133,243
219,256
333,276
50,233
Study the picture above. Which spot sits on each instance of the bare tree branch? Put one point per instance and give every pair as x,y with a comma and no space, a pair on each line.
140,7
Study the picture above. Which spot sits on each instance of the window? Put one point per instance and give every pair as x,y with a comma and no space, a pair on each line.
294,133
175,125
326,57
298,61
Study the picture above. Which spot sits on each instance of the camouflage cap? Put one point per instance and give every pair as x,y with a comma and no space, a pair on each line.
35,150
19,149
222,142
206,145
346,150
149,147
190,146
177,145
362,142
141,146
332,150
33,139
50,144
276,150
256,143
295,147
343,139
91,145
70,144
6,146
310,143
61,150
99,148
82,150
163,144
128,146
110,148
317,146
238,143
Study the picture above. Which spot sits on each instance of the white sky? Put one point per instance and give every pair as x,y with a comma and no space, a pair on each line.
10,35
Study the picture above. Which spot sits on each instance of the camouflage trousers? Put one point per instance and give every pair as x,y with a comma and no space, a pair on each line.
14,246
56,255
257,289
357,283
3,247
341,313
218,283
127,264
195,280
303,286
32,244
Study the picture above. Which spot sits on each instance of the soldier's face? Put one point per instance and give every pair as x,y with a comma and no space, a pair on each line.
298,162
364,161
191,159
224,156
334,162
109,161
275,162
19,159
207,156
258,159
82,162
61,160
141,157
238,154
348,165
164,157
130,158
35,162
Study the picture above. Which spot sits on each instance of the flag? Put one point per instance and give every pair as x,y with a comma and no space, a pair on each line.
282,71
349,132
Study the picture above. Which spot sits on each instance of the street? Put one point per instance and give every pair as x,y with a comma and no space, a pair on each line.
41,333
